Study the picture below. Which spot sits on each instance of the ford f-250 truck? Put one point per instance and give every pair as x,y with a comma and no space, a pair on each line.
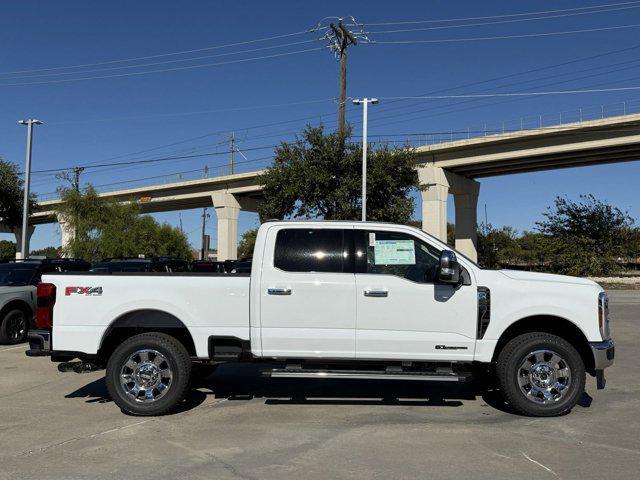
332,300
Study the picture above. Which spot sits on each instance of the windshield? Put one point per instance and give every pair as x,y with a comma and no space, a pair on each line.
12,274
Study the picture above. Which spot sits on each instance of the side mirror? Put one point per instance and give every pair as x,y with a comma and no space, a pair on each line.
449,268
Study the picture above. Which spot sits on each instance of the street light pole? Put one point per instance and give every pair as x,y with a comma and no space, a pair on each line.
27,184
365,104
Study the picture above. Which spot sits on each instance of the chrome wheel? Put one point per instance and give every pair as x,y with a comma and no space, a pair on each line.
544,377
146,376
16,326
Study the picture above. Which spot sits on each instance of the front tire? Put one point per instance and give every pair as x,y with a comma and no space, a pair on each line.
540,374
13,327
149,374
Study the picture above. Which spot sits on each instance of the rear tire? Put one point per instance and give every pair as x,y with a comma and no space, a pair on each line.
540,374
13,327
149,374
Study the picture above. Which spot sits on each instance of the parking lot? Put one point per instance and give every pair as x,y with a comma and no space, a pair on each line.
238,425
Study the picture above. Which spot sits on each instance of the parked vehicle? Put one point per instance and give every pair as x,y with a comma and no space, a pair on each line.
17,293
242,266
332,300
207,266
134,264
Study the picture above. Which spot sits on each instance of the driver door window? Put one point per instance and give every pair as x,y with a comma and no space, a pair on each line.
402,255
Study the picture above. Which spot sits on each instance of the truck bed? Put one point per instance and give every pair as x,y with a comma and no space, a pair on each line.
89,303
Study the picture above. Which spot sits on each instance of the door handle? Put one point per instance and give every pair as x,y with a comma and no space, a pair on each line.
279,291
376,293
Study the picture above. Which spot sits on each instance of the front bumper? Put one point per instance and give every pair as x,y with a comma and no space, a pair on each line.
603,356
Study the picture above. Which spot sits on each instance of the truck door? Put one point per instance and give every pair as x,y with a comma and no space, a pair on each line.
402,312
307,293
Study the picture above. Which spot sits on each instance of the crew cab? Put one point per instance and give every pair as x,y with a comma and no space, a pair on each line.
18,280
355,300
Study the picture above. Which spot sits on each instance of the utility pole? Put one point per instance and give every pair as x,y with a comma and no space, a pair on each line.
76,177
27,184
204,235
365,110
341,39
232,149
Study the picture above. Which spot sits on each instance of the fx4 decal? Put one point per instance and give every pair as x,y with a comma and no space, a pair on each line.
86,291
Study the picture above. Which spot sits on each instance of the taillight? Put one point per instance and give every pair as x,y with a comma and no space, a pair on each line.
46,293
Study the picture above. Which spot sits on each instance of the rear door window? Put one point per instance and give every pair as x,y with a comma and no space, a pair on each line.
313,250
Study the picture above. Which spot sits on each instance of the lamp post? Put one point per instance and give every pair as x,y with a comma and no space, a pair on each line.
27,184
365,104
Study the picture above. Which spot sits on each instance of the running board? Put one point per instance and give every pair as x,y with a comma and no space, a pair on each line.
368,375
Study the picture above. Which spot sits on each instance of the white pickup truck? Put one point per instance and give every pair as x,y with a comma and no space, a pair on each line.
332,300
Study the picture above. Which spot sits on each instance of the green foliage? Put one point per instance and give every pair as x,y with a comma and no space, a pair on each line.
7,249
581,238
48,252
497,247
587,236
247,243
107,229
11,195
320,176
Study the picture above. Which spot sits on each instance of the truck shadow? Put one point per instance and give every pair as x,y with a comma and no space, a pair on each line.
238,382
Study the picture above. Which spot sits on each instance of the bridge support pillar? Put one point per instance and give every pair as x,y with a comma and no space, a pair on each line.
227,210
18,233
438,184
67,234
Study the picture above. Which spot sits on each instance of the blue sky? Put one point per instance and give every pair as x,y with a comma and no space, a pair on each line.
94,120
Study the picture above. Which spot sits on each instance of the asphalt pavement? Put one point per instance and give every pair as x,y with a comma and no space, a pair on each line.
239,425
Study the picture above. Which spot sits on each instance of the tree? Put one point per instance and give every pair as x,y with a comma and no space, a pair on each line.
320,176
48,252
247,243
11,195
108,229
497,247
7,249
586,236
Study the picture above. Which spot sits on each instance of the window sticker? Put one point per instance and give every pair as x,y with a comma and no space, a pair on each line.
395,252
372,239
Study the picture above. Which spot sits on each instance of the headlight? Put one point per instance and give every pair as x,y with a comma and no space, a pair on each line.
603,315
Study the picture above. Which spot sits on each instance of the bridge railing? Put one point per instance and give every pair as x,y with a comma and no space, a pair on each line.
529,122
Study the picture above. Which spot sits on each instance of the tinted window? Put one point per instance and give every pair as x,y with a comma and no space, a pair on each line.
391,253
310,250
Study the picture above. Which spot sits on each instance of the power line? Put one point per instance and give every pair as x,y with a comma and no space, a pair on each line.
142,65
378,118
501,37
499,22
173,69
385,107
183,52
152,160
415,22
198,112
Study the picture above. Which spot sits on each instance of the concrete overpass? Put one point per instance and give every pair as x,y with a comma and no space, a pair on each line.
227,194
443,169
453,167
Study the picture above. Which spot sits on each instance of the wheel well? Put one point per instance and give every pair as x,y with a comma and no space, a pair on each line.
555,325
20,304
143,321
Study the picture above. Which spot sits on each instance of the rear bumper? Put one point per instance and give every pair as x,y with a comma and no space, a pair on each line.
39,343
